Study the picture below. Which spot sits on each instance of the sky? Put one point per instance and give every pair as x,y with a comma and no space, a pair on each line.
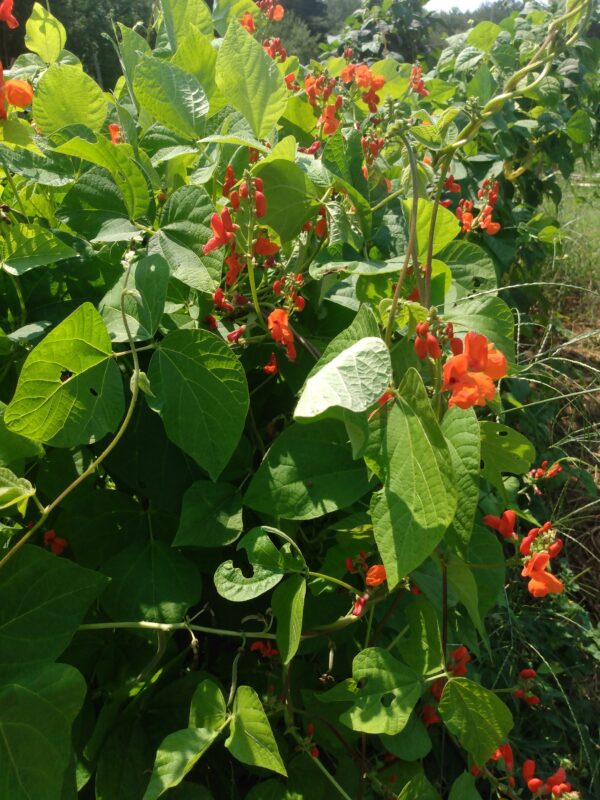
446,5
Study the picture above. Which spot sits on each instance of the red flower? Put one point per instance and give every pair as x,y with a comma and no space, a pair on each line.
247,22
271,366
281,331
6,15
375,575
426,343
235,267
115,133
236,335
18,93
265,247
359,605
57,544
451,185
211,322
527,674
430,716
541,582
265,649
229,181
470,376
260,202
416,82
328,118
505,525
223,230
459,658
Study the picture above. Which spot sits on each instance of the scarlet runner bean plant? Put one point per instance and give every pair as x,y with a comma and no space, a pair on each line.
256,468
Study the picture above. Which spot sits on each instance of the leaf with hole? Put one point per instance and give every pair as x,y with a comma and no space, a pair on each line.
503,449
70,390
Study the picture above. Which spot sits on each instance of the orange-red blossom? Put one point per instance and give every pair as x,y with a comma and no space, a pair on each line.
470,376
6,14
375,575
541,582
14,92
281,332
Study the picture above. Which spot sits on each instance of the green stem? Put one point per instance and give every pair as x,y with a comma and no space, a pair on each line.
338,582
430,242
174,626
299,740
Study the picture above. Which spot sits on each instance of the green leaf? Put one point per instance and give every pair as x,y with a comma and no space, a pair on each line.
211,516
288,608
410,744
579,127
463,788
125,760
386,695
269,565
477,717
251,740
418,788
484,35
423,651
353,380
45,35
462,582
250,80
149,277
308,471
94,208
485,549
472,270
31,246
70,390
489,316
171,95
180,14
208,708
447,226
120,162
48,169
43,600
201,394
14,448
504,449
185,227
14,491
37,710
364,325
196,55
131,47
290,196
67,96
150,581
462,432
418,501
177,754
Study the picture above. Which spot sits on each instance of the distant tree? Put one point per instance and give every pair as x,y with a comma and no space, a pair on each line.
312,12
338,11
297,37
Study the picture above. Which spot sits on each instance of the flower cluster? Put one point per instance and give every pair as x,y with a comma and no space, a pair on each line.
543,473
318,92
556,785
364,78
57,544
416,81
271,9
470,375
274,47
505,754
288,287
538,548
523,690
464,212
279,326
265,649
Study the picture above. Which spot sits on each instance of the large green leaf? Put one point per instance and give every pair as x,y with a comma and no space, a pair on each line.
504,449
94,207
485,549
31,246
150,581
307,472
66,96
353,380
477,717
463,788
290,196
185,227
487,315
37,710
446,230
149,278
47,169
70,390
120,162
472,269
171,95
201,394
176,756
422,649
386,693
14,448
196,55
211,515
418,500
14,491
418,788
461,429
363,326
288,608
251,740
208,708
462,582
180,14
224,11
250,80
45,35
125,761
484,35
412,743
43,600
269,565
